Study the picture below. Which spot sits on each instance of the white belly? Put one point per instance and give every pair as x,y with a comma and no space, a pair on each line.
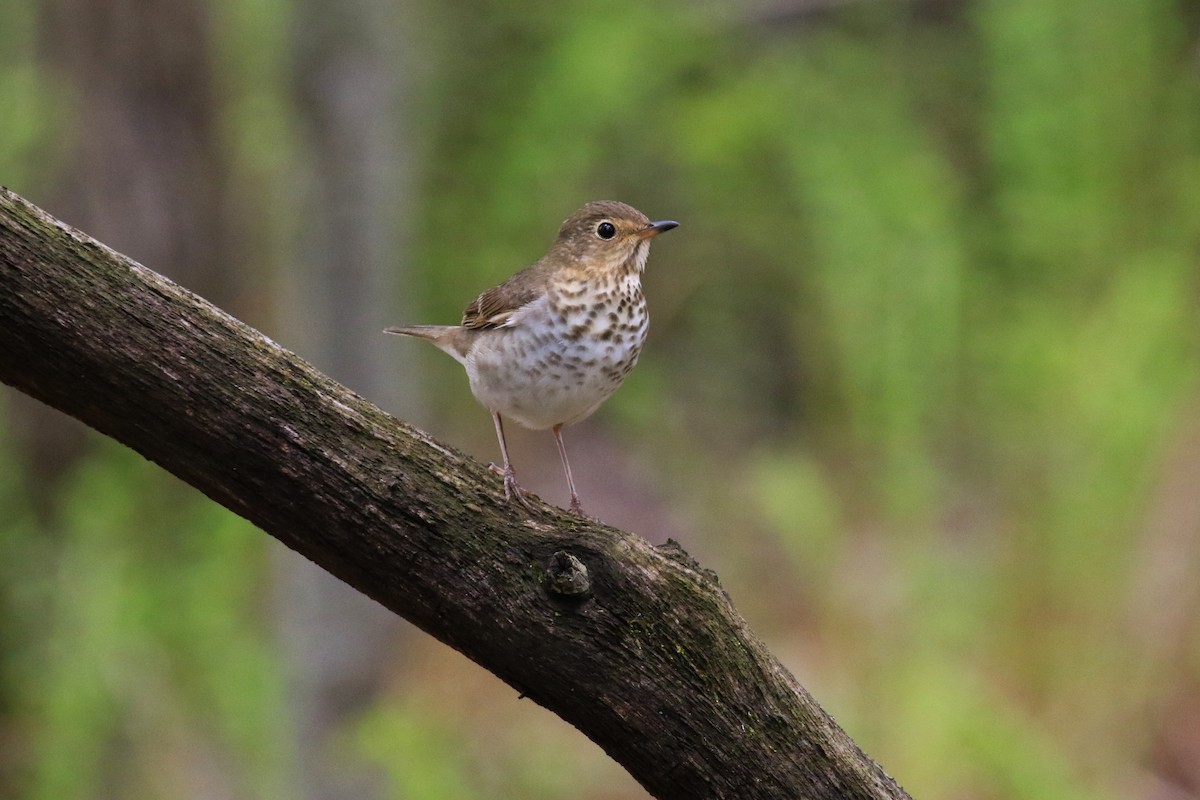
537,374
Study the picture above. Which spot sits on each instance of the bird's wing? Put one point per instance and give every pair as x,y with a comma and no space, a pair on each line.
496,307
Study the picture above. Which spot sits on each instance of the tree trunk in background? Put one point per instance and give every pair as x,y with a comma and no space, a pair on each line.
349,86
145,170
144,167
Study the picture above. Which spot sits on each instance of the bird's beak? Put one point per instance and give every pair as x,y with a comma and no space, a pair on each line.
655,228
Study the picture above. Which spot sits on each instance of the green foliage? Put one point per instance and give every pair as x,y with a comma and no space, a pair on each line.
420,758
137,651
34,126
430,747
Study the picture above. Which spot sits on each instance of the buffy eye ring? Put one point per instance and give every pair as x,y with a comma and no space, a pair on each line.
606,230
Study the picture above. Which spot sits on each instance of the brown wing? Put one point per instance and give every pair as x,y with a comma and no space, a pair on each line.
493,308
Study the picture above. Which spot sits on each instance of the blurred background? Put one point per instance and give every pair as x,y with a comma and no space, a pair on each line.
922,383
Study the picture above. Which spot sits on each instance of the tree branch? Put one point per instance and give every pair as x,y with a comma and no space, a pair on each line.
635,645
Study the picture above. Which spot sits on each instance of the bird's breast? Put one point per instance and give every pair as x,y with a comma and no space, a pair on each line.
569,352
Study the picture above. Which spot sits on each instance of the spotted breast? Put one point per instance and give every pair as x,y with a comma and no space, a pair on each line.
571,350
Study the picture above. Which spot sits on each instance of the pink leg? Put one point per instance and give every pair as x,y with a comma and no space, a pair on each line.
511,490
576,506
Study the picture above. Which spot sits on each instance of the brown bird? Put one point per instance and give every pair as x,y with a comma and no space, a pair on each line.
550,344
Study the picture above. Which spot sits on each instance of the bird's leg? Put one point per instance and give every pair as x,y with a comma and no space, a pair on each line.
576,506
511,490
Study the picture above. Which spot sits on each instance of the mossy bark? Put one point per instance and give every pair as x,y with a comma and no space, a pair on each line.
635,645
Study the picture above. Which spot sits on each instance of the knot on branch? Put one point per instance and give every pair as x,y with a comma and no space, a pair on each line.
567,577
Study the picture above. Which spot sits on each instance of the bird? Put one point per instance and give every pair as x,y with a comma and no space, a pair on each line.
549,345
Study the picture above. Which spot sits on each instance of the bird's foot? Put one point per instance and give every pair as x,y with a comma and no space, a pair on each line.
577,509
513,493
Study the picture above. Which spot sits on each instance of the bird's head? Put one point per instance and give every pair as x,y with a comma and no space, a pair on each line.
609,236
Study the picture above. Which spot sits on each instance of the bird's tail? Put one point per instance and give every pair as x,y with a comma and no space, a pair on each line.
449,338
430,332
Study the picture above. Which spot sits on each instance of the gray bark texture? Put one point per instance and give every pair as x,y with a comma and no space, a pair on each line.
637,646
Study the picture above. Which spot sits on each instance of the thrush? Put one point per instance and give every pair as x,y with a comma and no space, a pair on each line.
550,344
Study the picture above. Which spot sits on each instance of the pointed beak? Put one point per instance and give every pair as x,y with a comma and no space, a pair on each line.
655,228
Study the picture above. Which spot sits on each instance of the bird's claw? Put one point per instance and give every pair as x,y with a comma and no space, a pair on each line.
513,492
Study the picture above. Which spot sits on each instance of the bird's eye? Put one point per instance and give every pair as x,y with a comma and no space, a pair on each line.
606,230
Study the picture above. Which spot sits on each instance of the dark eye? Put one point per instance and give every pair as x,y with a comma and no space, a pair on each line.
606,230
